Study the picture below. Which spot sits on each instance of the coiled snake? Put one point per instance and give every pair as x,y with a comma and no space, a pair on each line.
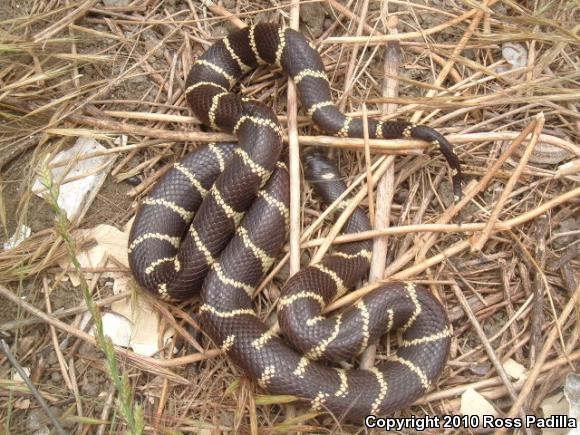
214,223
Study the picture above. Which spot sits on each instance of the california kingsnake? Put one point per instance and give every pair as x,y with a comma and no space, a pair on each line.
224,253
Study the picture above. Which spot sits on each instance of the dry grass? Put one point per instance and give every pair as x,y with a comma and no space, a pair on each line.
504,260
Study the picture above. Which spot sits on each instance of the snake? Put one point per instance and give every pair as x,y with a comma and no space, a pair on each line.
214,223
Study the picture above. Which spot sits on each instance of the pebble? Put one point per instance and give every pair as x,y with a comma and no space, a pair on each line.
117,3
51,360
229,4
90,389
313,15
565,226
88,349
35,422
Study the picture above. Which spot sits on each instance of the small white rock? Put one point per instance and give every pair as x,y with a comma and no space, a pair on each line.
117,328
515,54
473,403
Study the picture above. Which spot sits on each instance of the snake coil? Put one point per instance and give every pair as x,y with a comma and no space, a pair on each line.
214,223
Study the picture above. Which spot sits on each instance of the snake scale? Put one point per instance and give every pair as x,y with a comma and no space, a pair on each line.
215,222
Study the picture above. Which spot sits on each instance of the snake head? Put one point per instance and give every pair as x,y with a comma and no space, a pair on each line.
318,168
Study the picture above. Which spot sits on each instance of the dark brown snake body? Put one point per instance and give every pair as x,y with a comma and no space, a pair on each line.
217,220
